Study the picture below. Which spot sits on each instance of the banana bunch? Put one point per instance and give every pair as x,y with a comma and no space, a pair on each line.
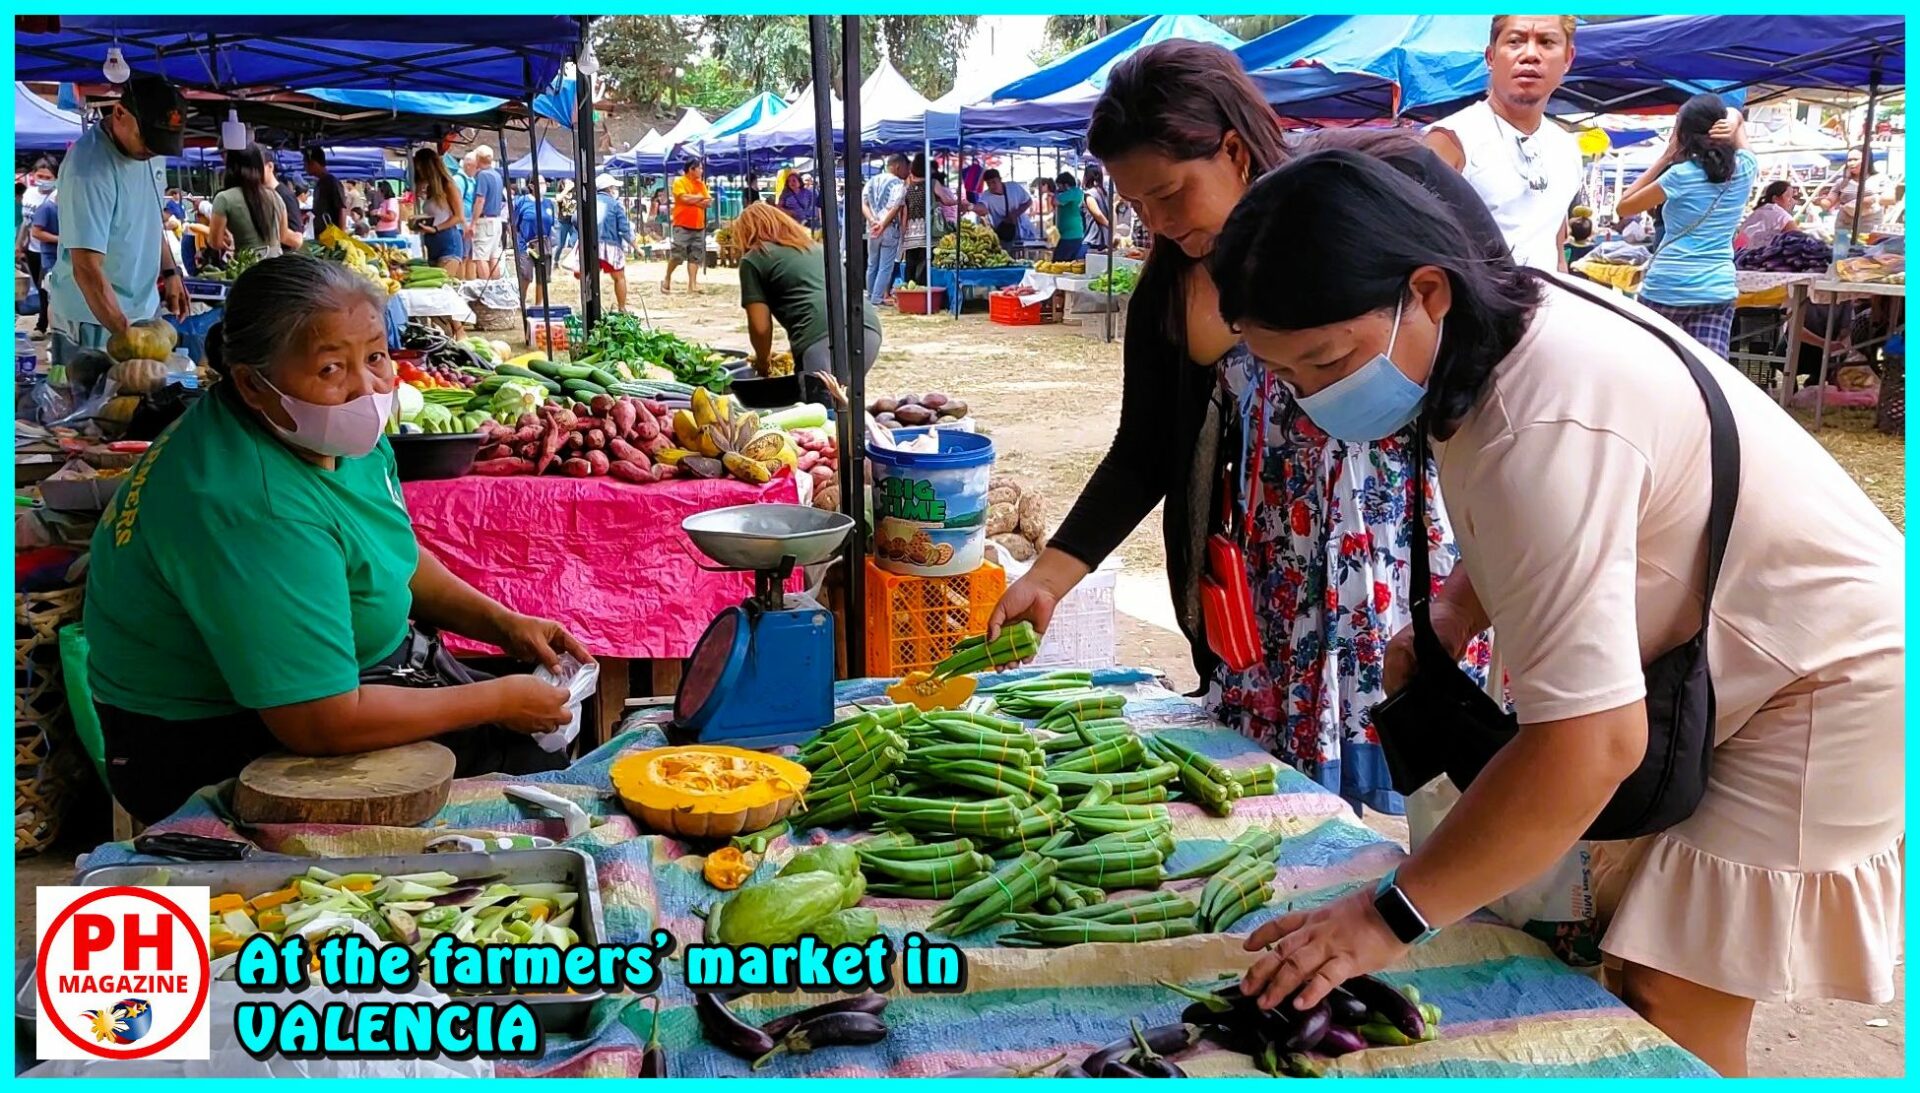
713,441
1060,267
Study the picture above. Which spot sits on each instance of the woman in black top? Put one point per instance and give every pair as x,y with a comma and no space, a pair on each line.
1181,132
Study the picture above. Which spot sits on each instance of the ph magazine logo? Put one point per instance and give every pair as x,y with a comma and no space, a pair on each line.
122,973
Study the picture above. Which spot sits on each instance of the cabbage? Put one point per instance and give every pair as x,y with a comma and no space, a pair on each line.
516,397
408,399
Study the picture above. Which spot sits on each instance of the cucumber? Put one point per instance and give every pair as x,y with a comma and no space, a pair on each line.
577,388
478,403
521,373
603,377
548,369
489,385
564,372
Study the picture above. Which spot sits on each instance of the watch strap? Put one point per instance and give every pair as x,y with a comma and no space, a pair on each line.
1398,907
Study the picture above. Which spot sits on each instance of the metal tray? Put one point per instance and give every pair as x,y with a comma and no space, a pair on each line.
561,865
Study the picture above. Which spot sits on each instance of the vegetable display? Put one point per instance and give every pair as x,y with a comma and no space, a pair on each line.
1016,517
362,258
1284,1041
932,408
622,337
853,1021
1120,279
411,909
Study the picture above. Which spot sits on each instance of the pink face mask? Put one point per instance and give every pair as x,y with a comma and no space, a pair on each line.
346,431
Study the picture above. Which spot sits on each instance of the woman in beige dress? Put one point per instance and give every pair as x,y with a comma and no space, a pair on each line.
1573,452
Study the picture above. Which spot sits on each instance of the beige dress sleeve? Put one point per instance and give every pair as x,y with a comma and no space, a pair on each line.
1555,512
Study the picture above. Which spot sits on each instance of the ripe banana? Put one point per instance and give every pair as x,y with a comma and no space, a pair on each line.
686,428
746,470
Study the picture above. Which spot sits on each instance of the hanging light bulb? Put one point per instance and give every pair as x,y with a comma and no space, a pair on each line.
588,64
233,134
116,70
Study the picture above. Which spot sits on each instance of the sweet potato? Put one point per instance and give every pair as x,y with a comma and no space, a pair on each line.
526,433
823,477
658,444
581,409
623,413
596,439
627,453
576,468
495,451
581,423
828,498
1002,518
1033,516
578,439
663,471
598,462
525,421
1018,547
655,407
808,460
501,468
631,472
645,428
602,405
550,445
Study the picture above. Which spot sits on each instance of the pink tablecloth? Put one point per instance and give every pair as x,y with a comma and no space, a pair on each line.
604,558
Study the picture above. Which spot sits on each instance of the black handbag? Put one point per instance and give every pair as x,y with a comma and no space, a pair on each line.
421,661
1442,722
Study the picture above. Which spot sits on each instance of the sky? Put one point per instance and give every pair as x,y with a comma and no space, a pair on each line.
1000,39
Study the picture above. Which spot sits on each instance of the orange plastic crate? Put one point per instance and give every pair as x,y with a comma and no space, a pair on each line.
1003,307
914,622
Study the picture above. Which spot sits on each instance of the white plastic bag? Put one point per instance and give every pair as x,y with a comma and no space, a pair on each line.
580,680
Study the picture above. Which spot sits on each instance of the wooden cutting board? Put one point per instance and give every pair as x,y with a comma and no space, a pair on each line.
393,787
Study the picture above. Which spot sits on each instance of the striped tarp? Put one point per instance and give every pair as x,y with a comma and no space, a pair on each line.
1511,1009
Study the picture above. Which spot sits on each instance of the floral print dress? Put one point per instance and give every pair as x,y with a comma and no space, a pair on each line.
1328,559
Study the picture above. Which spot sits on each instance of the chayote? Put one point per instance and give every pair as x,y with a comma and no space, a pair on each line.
834,858
851,926
775,912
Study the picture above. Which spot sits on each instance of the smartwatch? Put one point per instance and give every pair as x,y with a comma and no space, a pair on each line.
170,271
1401,916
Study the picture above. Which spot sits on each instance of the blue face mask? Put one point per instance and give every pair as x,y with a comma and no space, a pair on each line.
1376,401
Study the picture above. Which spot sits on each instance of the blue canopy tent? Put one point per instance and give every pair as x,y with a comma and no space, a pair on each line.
1089,65
1373,66
559,103
504,55
789,132
723,138
358,163
553,164
660,155
40,126
1616,62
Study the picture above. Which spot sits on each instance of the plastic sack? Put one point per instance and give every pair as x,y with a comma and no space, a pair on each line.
228,1060
580,680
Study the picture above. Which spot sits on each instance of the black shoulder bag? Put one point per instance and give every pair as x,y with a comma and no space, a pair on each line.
1442,722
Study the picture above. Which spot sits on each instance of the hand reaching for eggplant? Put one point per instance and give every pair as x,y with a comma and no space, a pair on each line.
1313,952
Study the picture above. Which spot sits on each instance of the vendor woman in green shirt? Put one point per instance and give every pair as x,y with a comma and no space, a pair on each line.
259,559
1069,218
783,275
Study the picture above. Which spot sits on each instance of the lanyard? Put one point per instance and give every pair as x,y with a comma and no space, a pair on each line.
1256,401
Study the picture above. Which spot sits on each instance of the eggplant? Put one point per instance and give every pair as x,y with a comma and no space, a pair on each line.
828,1030
1159,1066
1394,1008
1197,1013
728,1032
1163,1039
1347,1010
405,929
1114,1068
1341,1040
1304,1028
653,1059
862,1003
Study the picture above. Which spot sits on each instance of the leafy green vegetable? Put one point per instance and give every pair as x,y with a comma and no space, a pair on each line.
624,337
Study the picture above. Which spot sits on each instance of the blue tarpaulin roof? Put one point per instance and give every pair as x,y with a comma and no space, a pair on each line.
661,153
559,102
506,55
1377,65
1798,51
720,139
436,104
553,164
38,125
354,162
1090,64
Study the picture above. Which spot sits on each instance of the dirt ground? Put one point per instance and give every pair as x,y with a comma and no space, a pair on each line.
1050,396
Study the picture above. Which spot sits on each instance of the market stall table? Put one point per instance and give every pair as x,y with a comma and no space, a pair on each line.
1832,291
435,303
604,558
986,280
1512,1009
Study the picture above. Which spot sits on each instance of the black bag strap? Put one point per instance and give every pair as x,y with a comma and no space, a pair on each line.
1723,443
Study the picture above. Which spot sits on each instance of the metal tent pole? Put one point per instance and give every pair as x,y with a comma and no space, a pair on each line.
1866,170
853,453
853,491
583,173
540,232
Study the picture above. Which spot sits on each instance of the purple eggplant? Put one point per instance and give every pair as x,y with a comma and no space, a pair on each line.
1304,1028
1393,1007
1163,1039
1347,1010
1114,1068
828,1030
1158,1066
728,1032
860,1003
1341,1040
653,1059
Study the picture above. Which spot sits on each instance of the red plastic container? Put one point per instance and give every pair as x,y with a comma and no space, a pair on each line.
920,301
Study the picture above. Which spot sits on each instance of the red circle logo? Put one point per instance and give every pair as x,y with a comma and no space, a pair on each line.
127,1022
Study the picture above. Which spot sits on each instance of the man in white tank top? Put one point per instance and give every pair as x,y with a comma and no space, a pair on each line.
1526,168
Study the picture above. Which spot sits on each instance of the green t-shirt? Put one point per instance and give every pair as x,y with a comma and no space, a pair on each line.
240,222
793,285
228,573
1070,214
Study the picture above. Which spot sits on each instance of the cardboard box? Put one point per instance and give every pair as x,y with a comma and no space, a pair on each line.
80,486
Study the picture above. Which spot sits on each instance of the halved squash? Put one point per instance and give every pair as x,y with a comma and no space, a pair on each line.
707,791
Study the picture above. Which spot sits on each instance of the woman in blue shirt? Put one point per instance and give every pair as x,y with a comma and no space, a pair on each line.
1701,181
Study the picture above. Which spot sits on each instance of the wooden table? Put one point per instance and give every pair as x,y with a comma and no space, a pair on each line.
1836,291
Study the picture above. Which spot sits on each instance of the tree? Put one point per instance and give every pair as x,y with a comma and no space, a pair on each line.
711,88
773,52
642,57
1066,33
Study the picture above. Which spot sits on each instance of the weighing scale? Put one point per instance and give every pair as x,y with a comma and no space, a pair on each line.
762,674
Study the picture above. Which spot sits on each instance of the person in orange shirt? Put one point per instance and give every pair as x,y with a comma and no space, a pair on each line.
687,241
